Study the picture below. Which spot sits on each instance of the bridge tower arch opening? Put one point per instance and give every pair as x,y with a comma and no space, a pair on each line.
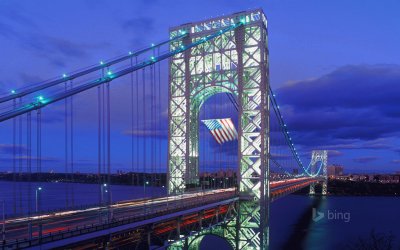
236,62
212,102
196,243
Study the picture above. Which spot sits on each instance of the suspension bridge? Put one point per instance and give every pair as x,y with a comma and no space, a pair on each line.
215,68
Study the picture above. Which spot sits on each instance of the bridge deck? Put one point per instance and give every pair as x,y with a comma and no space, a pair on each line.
68,224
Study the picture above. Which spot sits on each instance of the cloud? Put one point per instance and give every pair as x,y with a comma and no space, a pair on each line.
352,107
365,159
13,13
356,86
397,161
140,29
138,23
381,143
28,78
277,156
334,153
50,47
7,31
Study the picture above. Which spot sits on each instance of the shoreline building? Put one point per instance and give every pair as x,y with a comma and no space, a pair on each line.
335,170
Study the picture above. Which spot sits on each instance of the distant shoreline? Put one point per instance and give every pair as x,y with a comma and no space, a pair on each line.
133,179
358,188
212,180
335,187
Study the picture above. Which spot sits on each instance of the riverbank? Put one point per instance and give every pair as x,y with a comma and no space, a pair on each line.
358,188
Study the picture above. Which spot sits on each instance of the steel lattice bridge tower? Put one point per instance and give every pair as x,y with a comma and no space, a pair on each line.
322,157
235,62
229,55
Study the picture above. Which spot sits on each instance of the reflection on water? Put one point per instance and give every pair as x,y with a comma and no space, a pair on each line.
341,220
292,225
348,218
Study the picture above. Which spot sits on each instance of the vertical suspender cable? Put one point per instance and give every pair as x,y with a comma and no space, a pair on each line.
153,108
203,139
216,153
132,126
39,144
108,143
158,126
99,143
144,129
29,158
72,146
137,124
104,130
66,148
150,129
29,166
154,155
20,159
159,114
14,160
38,151
152,132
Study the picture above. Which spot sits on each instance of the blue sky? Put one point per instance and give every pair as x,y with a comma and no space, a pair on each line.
334,66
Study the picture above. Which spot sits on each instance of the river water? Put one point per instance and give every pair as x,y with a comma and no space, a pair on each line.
339,221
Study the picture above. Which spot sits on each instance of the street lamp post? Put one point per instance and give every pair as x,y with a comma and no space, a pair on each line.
108,209
102,190
111,208
144,194
37,192
102,187
144,187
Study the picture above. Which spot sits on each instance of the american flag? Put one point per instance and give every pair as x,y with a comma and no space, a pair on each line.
222,130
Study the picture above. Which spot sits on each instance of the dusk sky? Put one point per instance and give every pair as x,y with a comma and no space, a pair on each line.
334,65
